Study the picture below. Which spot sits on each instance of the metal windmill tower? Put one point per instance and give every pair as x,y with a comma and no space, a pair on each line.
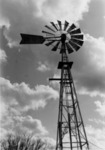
67,38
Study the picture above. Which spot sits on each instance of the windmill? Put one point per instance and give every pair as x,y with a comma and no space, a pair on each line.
67,38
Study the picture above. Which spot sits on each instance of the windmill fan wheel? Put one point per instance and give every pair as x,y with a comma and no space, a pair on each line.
73,36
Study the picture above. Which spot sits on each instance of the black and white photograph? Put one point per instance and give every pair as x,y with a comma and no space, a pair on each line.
52,74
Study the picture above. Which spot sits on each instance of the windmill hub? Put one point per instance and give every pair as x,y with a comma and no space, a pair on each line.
63,38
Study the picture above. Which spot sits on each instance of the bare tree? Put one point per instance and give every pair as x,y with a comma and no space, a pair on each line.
24,143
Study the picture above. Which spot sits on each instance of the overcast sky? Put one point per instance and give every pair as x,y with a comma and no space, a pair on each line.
28,102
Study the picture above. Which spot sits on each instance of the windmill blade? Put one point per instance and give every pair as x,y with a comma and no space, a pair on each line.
60,24
66,25
72,27
48,32
49,43
31,39
49,28
69,48
80,37
53,24
56,46
75,47
77,31
78,42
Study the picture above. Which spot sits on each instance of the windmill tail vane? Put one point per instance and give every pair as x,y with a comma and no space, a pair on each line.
67,38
